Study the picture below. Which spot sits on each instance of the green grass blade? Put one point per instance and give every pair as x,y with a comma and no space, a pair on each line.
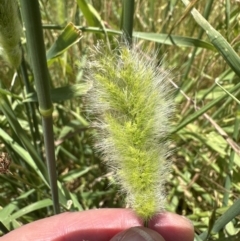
63,93
160,38
5,213
75,174
91,15
13,121
221,222
8,93
69,36
219,42
201,111
24,154
232,96
197,238
3,228
181,41
28,209
174,40
76,203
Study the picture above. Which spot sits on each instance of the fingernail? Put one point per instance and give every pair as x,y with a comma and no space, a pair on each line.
138,234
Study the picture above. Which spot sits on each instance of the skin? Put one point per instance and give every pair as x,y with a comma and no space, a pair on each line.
104,225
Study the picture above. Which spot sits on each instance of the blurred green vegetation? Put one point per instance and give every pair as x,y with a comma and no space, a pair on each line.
204,182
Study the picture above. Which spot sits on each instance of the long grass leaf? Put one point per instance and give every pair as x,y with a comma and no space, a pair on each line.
181,41
13,121
219,42
28,209
221,222
63,93
89,12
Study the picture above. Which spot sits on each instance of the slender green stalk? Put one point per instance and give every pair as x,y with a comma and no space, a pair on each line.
35,44
127,19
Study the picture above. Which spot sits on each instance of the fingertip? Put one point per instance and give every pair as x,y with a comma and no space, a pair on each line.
173,227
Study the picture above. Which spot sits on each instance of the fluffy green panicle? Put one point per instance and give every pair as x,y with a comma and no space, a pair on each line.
130,98
10,31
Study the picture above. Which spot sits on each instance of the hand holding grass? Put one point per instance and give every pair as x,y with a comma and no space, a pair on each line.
104,225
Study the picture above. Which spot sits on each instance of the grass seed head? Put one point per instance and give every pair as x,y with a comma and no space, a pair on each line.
10,32
132,103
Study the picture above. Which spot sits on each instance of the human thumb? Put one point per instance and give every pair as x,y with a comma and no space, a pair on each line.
138,234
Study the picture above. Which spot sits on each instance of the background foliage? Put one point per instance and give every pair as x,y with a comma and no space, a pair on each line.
204,183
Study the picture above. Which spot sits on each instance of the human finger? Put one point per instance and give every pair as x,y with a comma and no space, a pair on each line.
172,227
99,225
